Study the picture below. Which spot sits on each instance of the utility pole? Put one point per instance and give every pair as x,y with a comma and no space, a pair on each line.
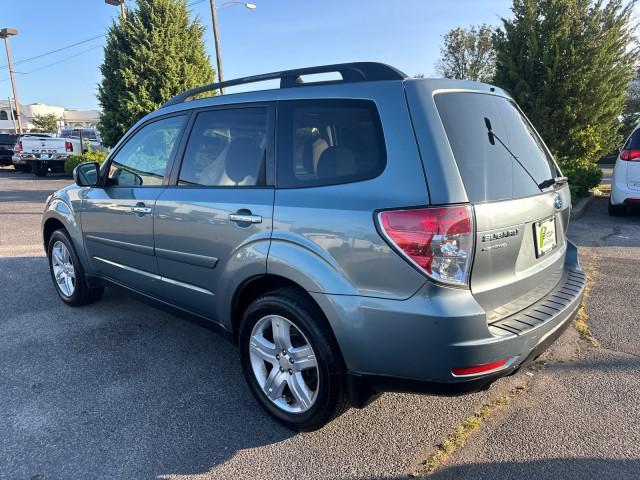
216,39
5,33
214,19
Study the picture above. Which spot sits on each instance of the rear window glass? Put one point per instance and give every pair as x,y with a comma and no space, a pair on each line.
634,141
489,172
8,138
327,142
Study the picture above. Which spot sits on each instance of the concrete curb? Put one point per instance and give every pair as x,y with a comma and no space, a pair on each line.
581,207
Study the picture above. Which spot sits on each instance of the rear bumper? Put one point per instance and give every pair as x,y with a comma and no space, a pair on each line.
621,194
413,345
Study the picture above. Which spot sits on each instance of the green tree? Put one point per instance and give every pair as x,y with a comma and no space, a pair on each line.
47,122
468,54
568,63
631,110
155,54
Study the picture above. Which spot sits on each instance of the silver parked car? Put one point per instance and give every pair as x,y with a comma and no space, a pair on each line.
375,233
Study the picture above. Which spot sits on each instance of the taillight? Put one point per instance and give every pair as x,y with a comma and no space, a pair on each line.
437,240
630,155
18,147
68,146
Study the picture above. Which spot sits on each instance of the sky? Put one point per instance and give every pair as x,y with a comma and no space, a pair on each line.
277,35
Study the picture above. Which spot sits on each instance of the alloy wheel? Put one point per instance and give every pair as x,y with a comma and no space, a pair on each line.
63,269
284,364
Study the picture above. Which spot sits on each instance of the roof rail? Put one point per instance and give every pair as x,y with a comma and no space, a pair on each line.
351,72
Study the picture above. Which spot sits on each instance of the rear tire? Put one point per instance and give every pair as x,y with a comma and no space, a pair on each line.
617,210
64,264
39,170
309,392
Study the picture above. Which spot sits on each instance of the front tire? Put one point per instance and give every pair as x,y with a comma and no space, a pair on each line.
67,273
291,361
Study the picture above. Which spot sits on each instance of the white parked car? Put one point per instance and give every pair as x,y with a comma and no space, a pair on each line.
625,183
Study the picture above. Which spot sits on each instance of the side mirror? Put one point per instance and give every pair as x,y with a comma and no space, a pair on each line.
87,174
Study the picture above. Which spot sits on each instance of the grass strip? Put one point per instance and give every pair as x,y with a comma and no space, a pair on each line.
457,438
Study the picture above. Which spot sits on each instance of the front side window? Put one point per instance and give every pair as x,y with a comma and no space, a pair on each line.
227,148
327,142
143,160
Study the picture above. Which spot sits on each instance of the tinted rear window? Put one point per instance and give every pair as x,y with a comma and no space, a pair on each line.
488,171
7,138
633,143
327,142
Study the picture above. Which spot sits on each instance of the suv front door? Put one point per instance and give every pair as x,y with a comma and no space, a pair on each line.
117,217
215,217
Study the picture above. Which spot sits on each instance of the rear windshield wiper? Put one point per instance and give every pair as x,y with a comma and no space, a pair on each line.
492,140
553,181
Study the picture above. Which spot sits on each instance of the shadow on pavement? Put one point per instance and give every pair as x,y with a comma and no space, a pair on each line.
116,389
548,469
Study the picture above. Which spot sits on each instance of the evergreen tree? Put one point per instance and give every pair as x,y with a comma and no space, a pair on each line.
568,63
155,54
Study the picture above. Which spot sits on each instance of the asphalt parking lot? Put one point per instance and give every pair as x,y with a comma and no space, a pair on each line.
121,390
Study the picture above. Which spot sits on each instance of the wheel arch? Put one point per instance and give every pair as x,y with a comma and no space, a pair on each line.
259,285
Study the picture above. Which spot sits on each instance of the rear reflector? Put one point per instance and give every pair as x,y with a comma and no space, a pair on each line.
438,240
477,369
630,155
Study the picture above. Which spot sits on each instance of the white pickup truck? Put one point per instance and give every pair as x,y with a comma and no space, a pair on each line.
50,153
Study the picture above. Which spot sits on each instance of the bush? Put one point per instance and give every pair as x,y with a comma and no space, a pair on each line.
583,175
74,160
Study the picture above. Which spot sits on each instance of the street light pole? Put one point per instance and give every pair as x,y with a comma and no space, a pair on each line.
5,33
123,8
216,38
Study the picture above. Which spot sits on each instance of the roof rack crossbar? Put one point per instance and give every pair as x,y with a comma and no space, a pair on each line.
350,72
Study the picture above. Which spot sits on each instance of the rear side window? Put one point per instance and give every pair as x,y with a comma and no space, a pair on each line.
227,148
633,143
327,142
489,172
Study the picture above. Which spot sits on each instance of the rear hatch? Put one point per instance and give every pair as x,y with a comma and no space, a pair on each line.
520,226
631,156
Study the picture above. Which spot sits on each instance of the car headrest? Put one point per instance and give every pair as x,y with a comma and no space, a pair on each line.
243,159
336,162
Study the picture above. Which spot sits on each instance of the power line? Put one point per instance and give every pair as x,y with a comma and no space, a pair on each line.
57,62
54,51
66,47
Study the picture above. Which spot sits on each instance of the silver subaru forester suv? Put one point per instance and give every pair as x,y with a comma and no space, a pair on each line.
367,234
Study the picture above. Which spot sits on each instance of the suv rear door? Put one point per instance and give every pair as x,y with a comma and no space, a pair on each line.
512,266
218,207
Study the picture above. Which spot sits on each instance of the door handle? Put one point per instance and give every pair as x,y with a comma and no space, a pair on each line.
141,209
243,218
